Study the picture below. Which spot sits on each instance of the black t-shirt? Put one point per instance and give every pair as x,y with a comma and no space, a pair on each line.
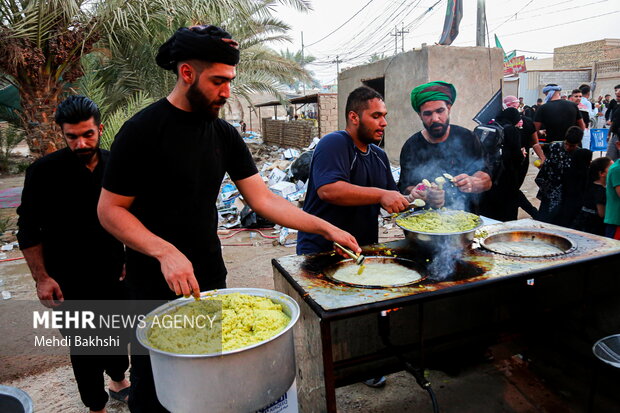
173,163
336,158
611,108
460,153
556,117
588,219
526,132
59,212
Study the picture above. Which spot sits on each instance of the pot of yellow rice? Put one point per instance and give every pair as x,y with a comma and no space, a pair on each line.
230,351
430,230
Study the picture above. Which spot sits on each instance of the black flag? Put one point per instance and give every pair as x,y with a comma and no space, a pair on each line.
490,110
454,13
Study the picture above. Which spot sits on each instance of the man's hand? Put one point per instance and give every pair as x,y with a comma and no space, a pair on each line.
436,197
393,201
465,183
343,238
179,273
49,292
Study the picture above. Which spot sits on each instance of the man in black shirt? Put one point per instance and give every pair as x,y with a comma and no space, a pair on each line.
70,255
442,148
613,105
556,115
163,179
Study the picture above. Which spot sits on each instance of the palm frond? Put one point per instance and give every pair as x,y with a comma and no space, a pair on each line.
114,121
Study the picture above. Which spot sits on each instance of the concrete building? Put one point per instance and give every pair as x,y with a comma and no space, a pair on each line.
532,82
476,72
586,54
595,63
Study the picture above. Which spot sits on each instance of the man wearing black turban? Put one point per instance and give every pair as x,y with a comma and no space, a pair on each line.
163,179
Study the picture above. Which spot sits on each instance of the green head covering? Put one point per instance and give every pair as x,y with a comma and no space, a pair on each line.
432,91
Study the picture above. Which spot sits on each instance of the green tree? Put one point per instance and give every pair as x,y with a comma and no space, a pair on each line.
302,59
42,43
375,57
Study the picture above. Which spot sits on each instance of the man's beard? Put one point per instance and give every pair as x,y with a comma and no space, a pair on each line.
367,135
436,129
85,155
199,102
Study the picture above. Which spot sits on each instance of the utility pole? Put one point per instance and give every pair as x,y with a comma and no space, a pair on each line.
302,58
481,24
395,39
402,37
337,61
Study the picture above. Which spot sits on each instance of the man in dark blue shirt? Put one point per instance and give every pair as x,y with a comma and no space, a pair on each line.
350,176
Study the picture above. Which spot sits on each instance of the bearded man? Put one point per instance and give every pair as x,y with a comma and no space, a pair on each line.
163,180
441,148
71,257
350,176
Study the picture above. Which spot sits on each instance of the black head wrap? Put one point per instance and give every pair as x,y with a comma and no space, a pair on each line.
198,42
509,116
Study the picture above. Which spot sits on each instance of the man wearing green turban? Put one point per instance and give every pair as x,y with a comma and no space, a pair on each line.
441,150
432,91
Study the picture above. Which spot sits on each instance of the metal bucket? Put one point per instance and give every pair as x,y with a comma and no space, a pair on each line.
242,380
14,400
430,242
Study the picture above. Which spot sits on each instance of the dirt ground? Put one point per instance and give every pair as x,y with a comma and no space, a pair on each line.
50,382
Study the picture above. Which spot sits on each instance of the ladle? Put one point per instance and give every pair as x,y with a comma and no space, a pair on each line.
359,258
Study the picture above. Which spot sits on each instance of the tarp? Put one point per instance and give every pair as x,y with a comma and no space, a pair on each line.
9,102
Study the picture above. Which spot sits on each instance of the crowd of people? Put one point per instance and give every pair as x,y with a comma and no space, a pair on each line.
127,232
574,189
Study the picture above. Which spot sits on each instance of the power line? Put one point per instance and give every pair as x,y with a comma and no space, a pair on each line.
528,12
520,10
372,47
605,48
561,24
360,39
339,27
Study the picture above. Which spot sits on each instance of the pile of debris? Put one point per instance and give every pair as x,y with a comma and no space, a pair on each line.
284,170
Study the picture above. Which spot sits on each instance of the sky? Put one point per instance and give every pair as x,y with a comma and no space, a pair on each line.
533,27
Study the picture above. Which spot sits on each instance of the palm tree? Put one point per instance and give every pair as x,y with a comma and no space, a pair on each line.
128,63
302,60
42,43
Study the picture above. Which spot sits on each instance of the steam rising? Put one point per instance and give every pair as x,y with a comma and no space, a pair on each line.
460,153
445,256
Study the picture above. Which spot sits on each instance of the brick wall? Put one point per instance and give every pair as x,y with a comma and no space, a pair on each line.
328,112
585,54
295,133
569,80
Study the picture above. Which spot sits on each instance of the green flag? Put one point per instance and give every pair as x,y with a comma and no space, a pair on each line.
508,56
497,43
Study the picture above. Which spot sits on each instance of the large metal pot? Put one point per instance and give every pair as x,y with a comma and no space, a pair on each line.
243,380
430,242
14,400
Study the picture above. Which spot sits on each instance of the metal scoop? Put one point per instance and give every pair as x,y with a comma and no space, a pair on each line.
359,258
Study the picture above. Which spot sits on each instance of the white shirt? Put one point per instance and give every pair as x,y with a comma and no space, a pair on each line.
591,111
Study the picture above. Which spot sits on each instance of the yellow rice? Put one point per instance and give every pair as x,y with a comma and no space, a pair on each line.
246,320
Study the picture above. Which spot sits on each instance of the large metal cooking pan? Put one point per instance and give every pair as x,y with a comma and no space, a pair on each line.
405,263
433,241
242,380
528,244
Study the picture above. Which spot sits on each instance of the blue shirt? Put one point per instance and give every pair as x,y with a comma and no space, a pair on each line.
336,158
